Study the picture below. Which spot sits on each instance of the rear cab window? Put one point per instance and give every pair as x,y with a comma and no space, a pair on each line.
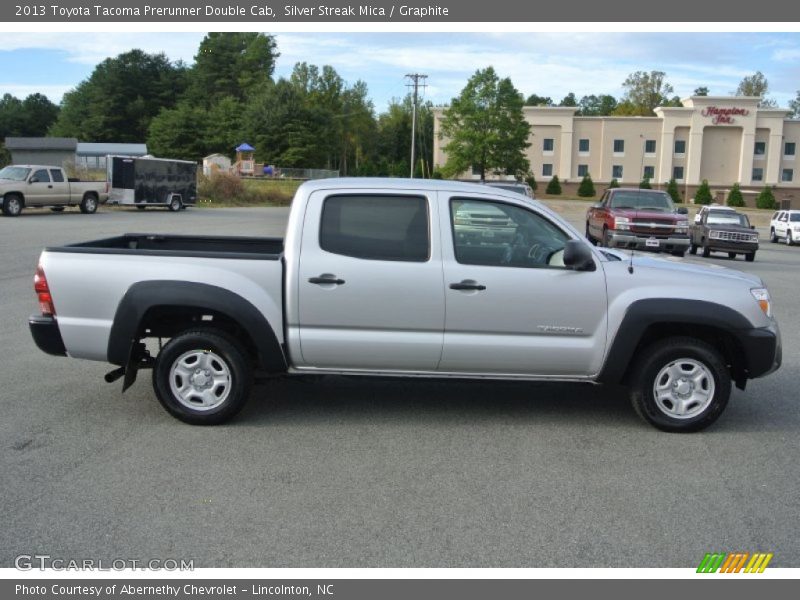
390,227
57,176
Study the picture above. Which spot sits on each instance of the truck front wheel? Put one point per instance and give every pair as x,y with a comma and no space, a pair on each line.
12,205
89,204
680,384
202,377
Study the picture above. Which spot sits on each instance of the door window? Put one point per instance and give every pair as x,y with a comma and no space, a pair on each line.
499,234
57,176
41,176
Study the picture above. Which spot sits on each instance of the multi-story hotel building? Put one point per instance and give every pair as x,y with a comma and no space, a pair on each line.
722,139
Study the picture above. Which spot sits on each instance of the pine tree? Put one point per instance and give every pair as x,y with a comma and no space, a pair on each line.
586,189
703,194
766,199
672,190
554,187
614,184
645,184
531,181
735,197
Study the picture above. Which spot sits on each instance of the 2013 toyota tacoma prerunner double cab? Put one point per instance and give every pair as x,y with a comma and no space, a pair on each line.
375,278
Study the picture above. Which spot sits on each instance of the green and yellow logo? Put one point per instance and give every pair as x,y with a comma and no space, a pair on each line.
734,562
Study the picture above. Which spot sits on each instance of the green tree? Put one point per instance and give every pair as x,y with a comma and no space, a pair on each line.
645,184
569,100
393,141
535,100
766,199
31,117
672,190
703,194
553,187
614,184
231,64
795,106
597,106
756,85
701,91
120,98
531,181
735,197
586,188
485,128
643,92
179,133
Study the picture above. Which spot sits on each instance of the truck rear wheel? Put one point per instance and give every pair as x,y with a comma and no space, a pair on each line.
680,384
12,205
202,377
89,204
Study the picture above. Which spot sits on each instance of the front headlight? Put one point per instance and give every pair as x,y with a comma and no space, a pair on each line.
622,223
682,228
714,235
762,297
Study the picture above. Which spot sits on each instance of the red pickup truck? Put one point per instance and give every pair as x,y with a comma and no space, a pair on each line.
642,219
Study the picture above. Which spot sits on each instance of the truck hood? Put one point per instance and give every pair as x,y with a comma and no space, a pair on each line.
689,269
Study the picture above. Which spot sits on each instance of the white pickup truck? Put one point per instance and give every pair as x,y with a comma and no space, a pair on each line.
387,277
35,186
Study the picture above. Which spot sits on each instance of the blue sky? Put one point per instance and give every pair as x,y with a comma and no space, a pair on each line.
544,63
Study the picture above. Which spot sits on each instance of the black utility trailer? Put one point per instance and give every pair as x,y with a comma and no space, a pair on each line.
147,181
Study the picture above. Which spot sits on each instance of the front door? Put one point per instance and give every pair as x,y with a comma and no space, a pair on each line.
370,292
40,189
512,307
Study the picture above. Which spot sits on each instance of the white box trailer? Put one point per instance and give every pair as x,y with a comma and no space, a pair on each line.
148,181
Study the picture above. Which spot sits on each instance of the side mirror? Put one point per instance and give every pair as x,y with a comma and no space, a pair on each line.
752,226
682,210
578,257
597,205
34,180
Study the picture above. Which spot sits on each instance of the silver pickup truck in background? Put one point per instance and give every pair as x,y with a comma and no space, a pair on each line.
36,186
393,277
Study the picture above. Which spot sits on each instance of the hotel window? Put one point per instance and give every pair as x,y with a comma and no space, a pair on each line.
758,174
583,145
616,171
619,146
547,170
677,173
760,148
680,146
789,149
649,146
787,175
649,172
583,170
547,144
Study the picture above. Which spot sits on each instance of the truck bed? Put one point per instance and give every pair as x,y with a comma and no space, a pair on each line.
182,245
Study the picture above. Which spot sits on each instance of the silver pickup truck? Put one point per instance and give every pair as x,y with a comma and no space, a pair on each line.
35,186
375,278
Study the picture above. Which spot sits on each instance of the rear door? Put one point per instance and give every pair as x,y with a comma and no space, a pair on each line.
511,306
370,289
60,189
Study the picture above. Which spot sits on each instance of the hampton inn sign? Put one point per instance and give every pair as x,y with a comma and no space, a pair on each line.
722,139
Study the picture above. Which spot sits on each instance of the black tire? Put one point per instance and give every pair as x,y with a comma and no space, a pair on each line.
653,365
12,205
750,257
606,241
731,254
225,355
141,206
175,204
789,240
706,250
89,204
589,237
692,249
57,208
772,237
679,253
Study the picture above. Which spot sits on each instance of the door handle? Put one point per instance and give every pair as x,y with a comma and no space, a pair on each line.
467,284
50,186
326,278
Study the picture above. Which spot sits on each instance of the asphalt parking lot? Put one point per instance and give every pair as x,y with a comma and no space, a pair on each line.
340,472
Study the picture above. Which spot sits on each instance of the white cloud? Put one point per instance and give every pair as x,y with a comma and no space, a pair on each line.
21,90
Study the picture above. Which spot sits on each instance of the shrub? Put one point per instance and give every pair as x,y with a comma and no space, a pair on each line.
766,199
226,188
614,184
531,181
703,194
437,174
735,197
645,184
554,187
586,188
673,191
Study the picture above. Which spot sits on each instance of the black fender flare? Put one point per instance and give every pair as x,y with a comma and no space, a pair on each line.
642,314
146,295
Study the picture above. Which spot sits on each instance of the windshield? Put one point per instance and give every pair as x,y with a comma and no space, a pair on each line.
727,219
14,173
795,217
643,201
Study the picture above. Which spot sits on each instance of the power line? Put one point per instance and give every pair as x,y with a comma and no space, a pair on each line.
415,83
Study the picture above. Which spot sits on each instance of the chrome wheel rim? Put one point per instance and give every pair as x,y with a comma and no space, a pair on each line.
90,204
200,380
684,388
13,206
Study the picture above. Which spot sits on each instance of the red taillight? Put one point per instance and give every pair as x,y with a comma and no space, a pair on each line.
43,291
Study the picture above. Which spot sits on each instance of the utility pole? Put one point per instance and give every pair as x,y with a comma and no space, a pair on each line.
415,83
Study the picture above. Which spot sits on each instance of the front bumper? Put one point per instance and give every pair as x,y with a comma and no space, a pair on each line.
762,350
619,239
47,336
730,246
